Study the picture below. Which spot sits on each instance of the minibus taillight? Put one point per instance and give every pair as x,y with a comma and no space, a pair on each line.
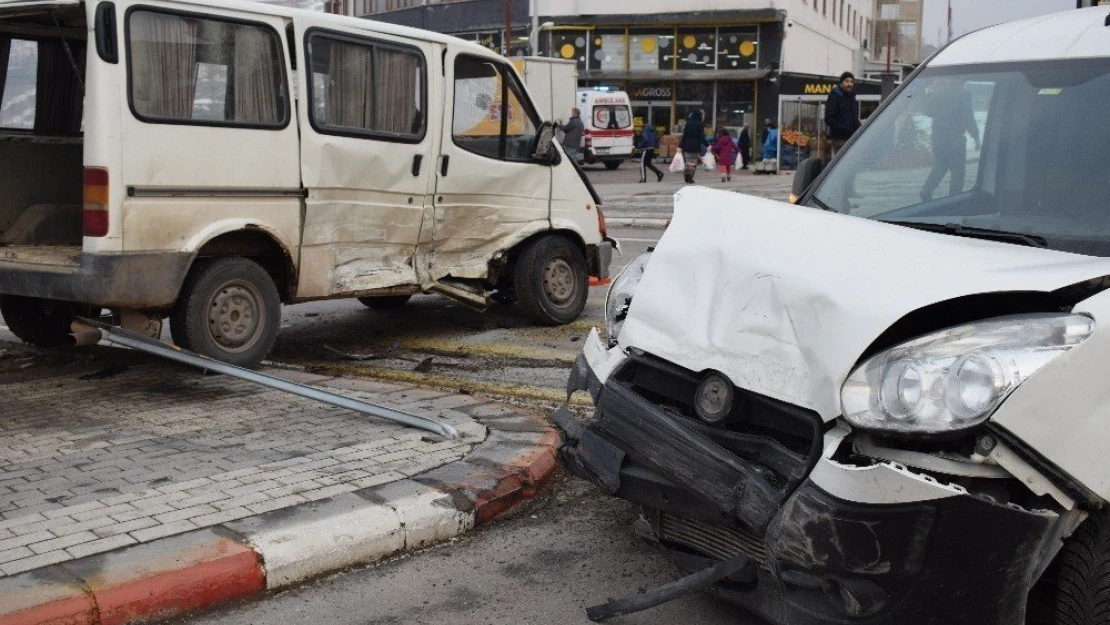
96,202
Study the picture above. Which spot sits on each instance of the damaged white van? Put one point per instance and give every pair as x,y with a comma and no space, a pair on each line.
889,403
209,161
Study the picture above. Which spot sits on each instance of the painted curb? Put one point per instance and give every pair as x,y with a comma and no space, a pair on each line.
204,568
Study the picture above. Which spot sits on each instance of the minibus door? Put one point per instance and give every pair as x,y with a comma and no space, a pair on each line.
490,193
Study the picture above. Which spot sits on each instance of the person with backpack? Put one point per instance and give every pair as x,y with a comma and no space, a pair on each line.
693,140
649,142
725,151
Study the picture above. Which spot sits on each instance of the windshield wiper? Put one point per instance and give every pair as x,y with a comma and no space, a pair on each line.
822,205
989,234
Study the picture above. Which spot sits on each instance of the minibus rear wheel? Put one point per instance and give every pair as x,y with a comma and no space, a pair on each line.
551,280
39,322
229,309
1083,579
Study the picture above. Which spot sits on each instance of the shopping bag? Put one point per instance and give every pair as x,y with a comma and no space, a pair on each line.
677,163
710,161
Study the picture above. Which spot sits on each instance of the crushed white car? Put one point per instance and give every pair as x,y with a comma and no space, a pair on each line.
890,397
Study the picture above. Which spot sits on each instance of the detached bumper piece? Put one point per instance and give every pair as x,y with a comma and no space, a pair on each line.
712,494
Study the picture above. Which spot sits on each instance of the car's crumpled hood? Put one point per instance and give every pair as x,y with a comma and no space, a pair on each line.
784,299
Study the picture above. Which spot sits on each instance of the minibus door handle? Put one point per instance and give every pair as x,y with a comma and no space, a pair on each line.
416,162
443,164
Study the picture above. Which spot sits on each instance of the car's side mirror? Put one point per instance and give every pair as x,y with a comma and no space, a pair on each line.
807,172
545,151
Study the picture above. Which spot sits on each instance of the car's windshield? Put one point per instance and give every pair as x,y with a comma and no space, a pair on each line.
1017,147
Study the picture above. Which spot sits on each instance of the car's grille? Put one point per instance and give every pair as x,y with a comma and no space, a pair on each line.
712,541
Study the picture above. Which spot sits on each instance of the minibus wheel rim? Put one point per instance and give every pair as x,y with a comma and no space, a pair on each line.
236,316
559,282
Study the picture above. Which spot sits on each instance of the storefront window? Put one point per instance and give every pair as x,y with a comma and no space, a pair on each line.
570,45
697,48
738,48
650,50
608,52
692,96
735,104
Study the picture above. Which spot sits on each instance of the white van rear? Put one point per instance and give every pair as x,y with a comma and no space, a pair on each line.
207,162
607,116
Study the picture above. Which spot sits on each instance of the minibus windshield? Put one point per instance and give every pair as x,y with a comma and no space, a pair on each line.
1020,148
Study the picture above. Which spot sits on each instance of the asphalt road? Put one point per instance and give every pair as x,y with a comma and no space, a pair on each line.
569,549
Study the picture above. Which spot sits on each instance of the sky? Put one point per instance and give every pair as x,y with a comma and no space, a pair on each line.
968,15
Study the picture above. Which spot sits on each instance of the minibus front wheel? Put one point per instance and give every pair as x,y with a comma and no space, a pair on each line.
551,280
229,309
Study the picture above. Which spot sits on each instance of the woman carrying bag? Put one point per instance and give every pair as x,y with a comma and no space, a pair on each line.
693,140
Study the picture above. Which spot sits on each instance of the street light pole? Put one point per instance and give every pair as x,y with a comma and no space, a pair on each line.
508,28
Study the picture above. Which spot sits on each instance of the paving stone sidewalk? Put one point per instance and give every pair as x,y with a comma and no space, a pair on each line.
92,465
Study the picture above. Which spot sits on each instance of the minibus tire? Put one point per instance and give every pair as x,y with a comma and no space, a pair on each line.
612,165
547,266
388,302
1083,579
242,284
38,322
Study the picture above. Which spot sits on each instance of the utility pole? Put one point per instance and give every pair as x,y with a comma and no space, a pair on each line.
507,43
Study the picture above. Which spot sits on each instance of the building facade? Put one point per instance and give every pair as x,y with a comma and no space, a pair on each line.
727,57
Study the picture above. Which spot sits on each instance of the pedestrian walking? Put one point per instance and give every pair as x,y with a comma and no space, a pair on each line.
841,115
771,144
649,142
572,134
744,146
693,140
725,151
953,119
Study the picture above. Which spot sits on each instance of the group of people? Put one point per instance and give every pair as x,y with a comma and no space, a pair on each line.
841,117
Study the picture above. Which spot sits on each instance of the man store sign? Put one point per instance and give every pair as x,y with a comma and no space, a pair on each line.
652,93
817,88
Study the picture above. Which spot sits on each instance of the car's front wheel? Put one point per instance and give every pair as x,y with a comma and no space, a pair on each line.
1083,579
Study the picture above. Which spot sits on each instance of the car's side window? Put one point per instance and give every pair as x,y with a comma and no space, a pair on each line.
491,116
185,68
363,87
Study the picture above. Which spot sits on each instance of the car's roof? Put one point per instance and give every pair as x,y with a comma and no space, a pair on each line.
1078,33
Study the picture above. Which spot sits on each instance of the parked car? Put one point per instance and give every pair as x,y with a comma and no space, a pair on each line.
209,161
891,397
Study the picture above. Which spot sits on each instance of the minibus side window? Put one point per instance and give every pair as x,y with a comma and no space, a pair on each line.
187,69
491,116
18,71
366,88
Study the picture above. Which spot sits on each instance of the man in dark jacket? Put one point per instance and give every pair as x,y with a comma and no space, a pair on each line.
744,145
693,140
572,139
841,114
649,142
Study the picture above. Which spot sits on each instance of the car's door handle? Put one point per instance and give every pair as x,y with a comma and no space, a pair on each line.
443,165
416,162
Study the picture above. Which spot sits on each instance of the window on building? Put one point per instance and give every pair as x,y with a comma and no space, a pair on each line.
697,48
888,11
570,45
738,48
825,7
650,50
206,71
366,88
608,50
17,94
490,115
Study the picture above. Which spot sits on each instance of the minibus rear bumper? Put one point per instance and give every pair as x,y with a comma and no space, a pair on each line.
148,280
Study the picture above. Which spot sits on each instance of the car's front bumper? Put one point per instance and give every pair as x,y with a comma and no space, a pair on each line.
847,543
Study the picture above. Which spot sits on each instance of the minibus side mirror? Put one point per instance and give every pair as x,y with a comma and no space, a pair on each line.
544,150
807,172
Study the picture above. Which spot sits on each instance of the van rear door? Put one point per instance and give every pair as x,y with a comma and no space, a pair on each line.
369,133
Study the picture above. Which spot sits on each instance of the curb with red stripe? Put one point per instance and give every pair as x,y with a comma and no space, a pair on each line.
204,568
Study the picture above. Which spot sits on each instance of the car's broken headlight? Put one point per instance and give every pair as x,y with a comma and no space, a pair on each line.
954,379
620,294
